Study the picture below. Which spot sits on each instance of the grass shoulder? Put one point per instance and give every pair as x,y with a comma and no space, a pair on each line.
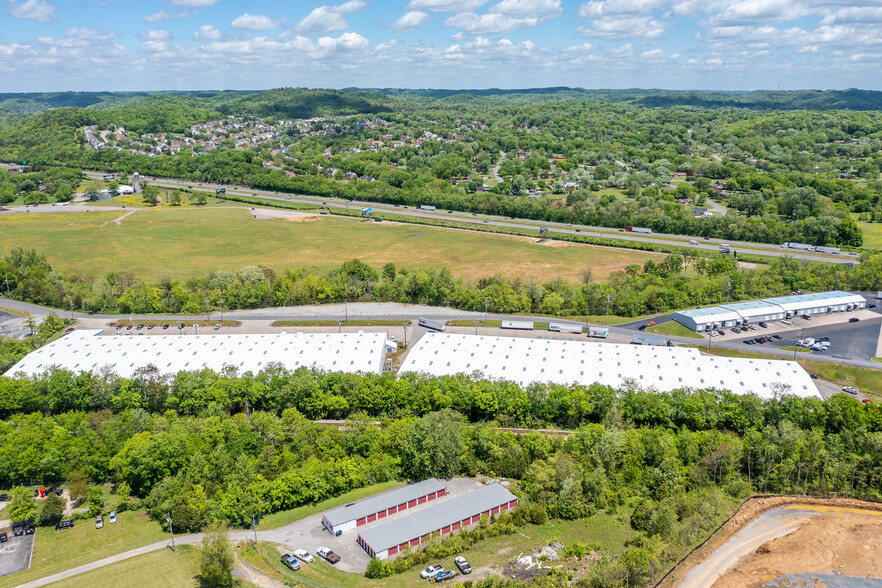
156,569
285,517
797,348
675,329
350,323
867,380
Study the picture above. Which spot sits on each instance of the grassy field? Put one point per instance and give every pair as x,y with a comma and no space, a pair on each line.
281,519
56,551
352,323
797,348
186,242
153,570
14,311
872,234
868,381
674,328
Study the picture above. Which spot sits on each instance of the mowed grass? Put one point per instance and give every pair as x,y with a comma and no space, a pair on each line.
872,234
158,569
674,328
56,551
868,381
183,243
285,517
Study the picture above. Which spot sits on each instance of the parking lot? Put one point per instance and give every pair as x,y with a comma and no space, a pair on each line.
15,554
310,534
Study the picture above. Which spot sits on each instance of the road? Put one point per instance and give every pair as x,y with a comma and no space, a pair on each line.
763,249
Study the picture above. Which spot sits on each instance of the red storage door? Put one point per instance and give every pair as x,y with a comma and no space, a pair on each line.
360,522
411,504
414,542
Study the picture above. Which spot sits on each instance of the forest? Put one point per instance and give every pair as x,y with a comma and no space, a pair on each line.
563,155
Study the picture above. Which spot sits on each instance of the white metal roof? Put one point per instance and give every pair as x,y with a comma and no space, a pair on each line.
526,360
88,350
381,502
713,314
817,300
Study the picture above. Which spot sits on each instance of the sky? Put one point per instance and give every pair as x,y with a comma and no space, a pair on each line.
53,45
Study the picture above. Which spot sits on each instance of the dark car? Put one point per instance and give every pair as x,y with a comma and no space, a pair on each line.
140,327
776,336
118,327
4,497
813,376
31,529
68,524
749,341
763,325
853,319
4,538
180,325
128,327
18,531
641,328
871,306
150,326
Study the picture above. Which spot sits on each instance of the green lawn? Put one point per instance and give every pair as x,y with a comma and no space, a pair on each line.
351,323
55,551
15,312
674,328
181,243
872,234
281,519
868,381
797,348
491,323
158,569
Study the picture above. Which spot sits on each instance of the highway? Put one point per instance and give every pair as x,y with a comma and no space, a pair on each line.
763,249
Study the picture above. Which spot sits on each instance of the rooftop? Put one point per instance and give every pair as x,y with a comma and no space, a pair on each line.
89,351
450,511
381,502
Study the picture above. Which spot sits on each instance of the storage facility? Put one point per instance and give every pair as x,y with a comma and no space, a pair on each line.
525,361
90,351
410,530
768,309
354,515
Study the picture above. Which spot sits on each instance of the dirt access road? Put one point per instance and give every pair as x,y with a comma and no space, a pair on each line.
773,537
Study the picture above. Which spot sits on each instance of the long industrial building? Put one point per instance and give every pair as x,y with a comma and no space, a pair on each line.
411,530
354,515
768,310
525,361
90,351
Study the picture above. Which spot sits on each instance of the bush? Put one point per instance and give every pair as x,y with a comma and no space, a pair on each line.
377,569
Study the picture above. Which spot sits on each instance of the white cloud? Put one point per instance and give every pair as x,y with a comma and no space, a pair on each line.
489,24
445,5
322,20
527,8
607,7
154,46
653,54
759,11
163,15
329,19
155,35
579,48
255,22
409,21
207,33
345,42
90,34
854,15
194,3
386,46
625,27
33,10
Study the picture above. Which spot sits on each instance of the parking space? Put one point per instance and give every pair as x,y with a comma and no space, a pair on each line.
786,328
310,534
15,554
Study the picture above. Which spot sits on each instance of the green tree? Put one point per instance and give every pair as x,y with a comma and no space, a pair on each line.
21,505
217,557
435,445
51,510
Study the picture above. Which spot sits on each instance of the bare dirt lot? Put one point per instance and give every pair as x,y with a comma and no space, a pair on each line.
772,537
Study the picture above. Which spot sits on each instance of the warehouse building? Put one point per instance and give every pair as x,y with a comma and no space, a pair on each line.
768,310
525,361
90,351
410,530
354,515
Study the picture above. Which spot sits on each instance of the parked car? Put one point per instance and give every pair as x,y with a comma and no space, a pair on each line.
18,531
328,555
165,326
854,319
180,325
763,325
431,571
749,342
217,326
443,576
69,330
31,529
140,327
99,522
735,330
4,538
118,327
851,390
303,555
871,306
776,336
291,561
68,524
463,564
650,324
112,517
641,328
150,326
128,327
751,327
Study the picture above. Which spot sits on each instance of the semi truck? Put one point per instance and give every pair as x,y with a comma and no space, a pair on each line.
800,246
433,325
643,230
426,207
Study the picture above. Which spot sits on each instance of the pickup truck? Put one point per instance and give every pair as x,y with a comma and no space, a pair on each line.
328,555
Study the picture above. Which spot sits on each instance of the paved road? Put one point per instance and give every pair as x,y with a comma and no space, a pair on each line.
762,249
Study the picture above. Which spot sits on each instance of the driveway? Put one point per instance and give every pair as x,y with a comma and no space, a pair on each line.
15,554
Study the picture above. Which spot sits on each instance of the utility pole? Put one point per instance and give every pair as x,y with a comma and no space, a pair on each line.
170,529
346,311
728,288
476,327
7,285
607,310
405,335
486,307
222,309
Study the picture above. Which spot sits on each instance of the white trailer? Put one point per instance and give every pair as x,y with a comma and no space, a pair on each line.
565,328
426,207
433,325
800,246
599,332
833,250
643,230
518,325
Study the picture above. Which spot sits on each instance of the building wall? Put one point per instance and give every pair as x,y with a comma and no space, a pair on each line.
349,525
474,519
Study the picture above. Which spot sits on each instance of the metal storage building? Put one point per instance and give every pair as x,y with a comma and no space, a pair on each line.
89,351
354,515
707,319
756,311
409,530
525,361
819,303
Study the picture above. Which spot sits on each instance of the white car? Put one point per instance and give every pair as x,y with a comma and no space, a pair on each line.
431,572
303,555
112,517
851,390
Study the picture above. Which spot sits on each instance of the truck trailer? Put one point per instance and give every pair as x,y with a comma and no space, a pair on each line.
643,230
565,328
433,325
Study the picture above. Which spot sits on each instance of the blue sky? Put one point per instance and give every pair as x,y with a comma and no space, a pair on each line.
48,45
